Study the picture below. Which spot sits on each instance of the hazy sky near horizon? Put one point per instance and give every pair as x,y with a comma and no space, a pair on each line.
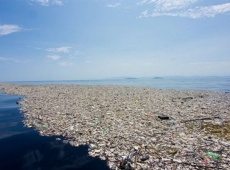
93,39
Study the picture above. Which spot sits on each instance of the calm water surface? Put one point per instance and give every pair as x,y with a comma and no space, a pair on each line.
23,149
198,83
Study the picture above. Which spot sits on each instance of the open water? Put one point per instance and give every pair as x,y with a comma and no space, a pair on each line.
217,83
23,149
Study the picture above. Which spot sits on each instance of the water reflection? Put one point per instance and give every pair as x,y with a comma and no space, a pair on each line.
31,151
23,149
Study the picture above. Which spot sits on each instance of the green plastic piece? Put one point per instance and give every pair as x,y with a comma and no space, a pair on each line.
213,155
43,126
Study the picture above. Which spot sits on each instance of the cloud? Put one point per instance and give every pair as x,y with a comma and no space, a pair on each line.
211,11
166,5
41,2
59,50
53,57
47,2
197,12
78,53
57,2
9,59
114,5
9,29
144,14
65,63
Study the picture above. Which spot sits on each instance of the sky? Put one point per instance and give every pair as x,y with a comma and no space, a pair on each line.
95,39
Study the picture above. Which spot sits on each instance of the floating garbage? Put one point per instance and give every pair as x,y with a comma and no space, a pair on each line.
71,128
92,146
121,124
213,155
218,129
65,141
163,117
123,164
144,157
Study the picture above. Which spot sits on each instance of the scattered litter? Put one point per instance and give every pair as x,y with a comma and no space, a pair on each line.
127,126
145,157
163,117
71,128
213,155
65,141
92,146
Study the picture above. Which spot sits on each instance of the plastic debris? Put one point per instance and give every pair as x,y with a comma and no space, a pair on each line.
213,155
123,164
65,141
136,147
128,134
92,146
163,117
71,128
144,157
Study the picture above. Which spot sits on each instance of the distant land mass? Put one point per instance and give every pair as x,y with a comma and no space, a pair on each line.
158,78
130,78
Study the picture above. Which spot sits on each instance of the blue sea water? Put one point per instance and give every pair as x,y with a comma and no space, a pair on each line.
216,83
23,148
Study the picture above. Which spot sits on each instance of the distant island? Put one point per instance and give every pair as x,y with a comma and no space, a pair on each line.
158,78
130,78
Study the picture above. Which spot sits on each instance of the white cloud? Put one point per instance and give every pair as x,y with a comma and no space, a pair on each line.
41,2
9,29
65,63
197,12
78,53
53,57
57,2
59,50
144,14
114,5
141,2
166,5
211,11
47,2
9,59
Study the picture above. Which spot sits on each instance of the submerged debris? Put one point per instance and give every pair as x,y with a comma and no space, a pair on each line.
122,125
218,129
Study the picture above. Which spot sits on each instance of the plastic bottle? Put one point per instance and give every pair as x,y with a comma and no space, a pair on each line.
213,155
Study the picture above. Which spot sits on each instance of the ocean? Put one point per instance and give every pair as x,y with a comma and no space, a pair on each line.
23,148
216,83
